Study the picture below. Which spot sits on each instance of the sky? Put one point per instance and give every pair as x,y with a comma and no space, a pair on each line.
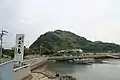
97,20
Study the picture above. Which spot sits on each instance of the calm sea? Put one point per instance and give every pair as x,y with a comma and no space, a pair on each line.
109,71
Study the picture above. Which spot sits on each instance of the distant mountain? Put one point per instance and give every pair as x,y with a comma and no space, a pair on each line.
61,40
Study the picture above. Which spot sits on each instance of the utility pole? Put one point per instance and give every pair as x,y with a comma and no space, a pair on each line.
3,32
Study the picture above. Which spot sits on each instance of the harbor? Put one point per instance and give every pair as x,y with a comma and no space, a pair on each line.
59,40
96,71
38,68
32,67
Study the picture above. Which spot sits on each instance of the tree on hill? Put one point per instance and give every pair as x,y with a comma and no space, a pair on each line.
61,40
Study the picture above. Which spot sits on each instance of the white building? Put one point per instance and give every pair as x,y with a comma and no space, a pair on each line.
77,50
74,50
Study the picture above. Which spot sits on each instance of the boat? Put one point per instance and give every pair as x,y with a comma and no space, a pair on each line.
100,61
70,61
84,61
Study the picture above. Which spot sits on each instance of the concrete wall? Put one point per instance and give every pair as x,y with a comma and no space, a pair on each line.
38,64
24,71
21,72
6,71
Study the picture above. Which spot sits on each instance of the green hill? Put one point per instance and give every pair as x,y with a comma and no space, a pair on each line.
61,40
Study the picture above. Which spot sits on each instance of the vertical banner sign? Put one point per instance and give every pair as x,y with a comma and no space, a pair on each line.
19,47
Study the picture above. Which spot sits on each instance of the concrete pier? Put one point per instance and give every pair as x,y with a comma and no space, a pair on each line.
24,71
86,55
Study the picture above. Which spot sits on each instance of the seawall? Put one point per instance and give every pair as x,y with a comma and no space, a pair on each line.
24,72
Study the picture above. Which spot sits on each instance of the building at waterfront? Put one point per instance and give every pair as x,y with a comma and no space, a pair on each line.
71,50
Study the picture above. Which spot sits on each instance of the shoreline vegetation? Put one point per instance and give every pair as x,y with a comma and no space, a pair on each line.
43,73
2,60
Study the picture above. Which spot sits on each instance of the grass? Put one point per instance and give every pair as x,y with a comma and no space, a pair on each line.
2,60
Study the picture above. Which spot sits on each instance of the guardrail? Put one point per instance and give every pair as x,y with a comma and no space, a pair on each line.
20,68
24,71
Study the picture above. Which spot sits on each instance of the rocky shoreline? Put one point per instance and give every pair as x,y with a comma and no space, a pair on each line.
43,73
45,76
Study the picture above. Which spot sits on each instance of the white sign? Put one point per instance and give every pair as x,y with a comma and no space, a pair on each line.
19,48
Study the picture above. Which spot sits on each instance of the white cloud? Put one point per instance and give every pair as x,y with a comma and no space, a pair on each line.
94,19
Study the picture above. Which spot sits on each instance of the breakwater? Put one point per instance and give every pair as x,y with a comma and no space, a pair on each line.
25,71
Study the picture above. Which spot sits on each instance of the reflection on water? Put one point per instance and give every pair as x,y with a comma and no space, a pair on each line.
89,72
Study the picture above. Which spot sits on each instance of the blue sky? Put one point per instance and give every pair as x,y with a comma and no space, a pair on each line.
93,19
